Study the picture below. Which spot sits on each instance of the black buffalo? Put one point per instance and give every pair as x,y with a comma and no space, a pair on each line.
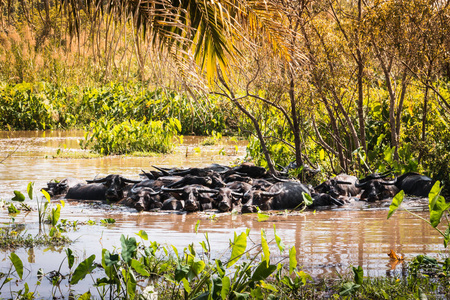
283,195
340,185
111,188
414,184
60,188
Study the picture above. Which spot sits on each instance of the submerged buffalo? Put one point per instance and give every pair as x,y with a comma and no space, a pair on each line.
111,188
340,185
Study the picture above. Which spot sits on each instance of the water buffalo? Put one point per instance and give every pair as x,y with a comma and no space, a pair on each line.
111,188
143,199
195,197
283,195
60,188
226,199
377,189
340,185
414,184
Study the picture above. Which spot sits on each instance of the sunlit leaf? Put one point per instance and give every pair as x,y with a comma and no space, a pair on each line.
30,190
17,262
278,240
307,199
396,201
226,285
292,259
238,248
129,247
143,235
262,217
196,226
438,210
434,194
265,248
47,196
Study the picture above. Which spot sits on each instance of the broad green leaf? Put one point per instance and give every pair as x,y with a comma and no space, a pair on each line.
265,248
17,262
219,267
348,288
143,235
84,268
62,202
434,194
438,210
47,196
269,286
278,240
129,247
398,199
239,247
30,190
56,213
358,274
307,199
263,271
226,285
139,267
85,296
18,196
262,217
304,276
196,226
186,285
388,154
181,272
292,259
70,257
131,282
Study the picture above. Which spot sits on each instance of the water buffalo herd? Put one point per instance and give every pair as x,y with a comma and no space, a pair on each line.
244,188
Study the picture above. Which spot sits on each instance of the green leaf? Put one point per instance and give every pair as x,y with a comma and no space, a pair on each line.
446,236
438,210
70,257
17,262
18,196
269,286
226,285
56,213
322,154
307,199
85,296
143,235
265,248
47,196
181,272
84,268
434,194
131,282
186,285
30,190
241,296
262,217
292,259
129,247
263,271
278,240
348,288
139,267
304,276
359,274
239,247
398,199
196,226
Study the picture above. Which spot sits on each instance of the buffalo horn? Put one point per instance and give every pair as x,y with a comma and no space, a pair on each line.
208,191
343,182
239,195
361,185
268,194
130,180
392,182
170,190
336,201
97,180
165,173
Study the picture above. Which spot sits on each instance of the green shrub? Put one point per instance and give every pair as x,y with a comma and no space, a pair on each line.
106,137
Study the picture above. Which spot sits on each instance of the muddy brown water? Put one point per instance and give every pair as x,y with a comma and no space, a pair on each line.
327,242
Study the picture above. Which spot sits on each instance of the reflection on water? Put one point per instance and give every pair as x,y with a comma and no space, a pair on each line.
326,241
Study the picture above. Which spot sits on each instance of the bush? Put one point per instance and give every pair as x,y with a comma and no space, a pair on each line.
106,137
